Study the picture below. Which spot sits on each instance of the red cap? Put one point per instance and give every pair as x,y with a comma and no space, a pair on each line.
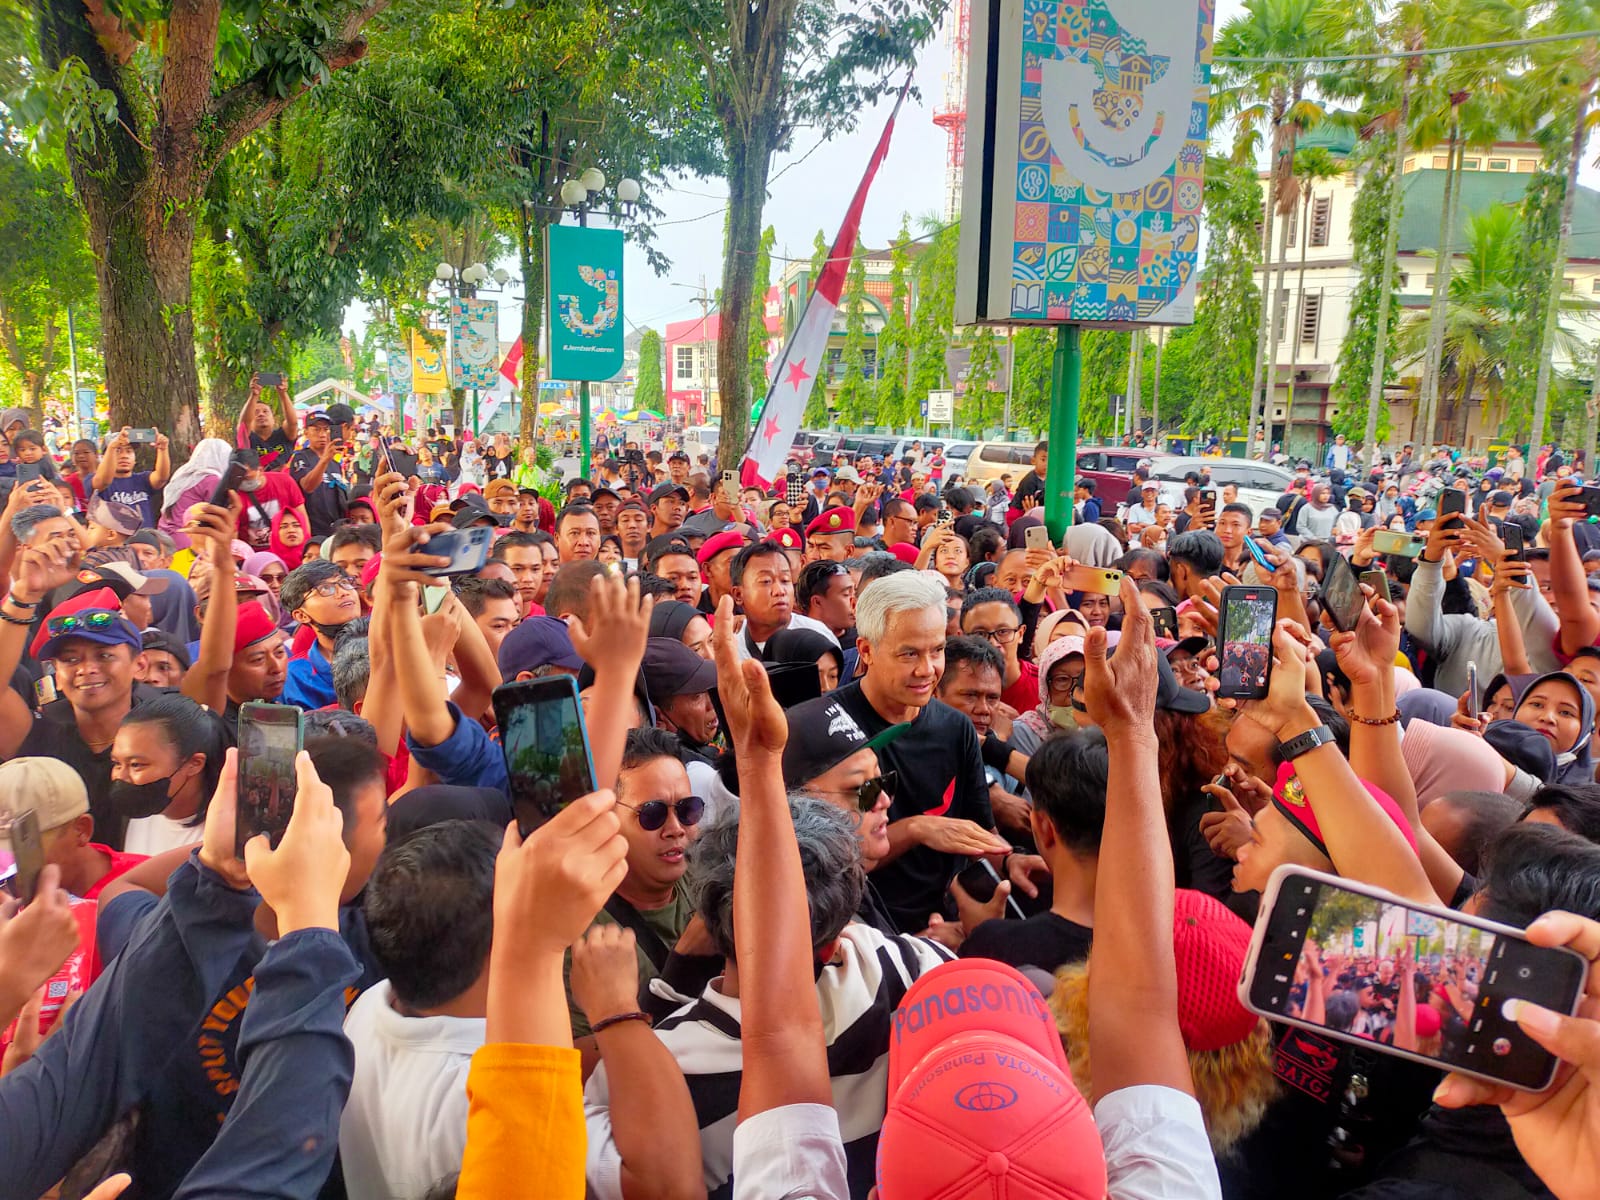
1289,797
1210,944
728,539
905,552
834,520
254,625
981,1102
82,602
788,538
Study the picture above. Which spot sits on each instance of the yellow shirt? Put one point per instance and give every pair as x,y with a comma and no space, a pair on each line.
524,1122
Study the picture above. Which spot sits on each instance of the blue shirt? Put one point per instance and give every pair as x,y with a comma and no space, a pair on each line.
310,681
469,757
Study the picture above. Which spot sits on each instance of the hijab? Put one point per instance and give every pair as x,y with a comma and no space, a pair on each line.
208,458
1047,625
1092,544
290,556
671,617
260,560
1441,758
1574,765
801,646
172,611
1426,705
1039,719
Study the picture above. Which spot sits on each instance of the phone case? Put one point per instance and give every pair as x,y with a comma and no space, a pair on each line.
1252,959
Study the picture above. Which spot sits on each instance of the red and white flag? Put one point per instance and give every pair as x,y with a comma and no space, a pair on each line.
505,384
806,353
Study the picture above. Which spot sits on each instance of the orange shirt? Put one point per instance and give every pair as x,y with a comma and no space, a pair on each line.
524,1122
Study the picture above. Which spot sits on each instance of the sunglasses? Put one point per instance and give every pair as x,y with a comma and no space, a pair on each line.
868,791
91,618
653,813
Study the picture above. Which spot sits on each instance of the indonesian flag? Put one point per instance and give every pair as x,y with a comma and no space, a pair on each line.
806,352
505,384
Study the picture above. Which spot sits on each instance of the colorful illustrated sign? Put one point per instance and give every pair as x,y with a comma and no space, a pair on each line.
474,343
1084,206
584,286
427,367
399,367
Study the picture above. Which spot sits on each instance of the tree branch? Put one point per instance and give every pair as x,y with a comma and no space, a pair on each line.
118,44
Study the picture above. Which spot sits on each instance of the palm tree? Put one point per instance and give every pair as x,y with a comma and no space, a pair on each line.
1311,167
1267,95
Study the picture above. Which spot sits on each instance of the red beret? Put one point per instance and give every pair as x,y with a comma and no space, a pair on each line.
905,552
254,624
728,539
787,538
834,520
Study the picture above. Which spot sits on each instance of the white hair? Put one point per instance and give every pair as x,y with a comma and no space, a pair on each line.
903,591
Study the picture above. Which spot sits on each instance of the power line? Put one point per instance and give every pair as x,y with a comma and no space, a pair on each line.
1426,52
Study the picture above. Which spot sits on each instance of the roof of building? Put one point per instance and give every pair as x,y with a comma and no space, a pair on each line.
1337,139
1481,190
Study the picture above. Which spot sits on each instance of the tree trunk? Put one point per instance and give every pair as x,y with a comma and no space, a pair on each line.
1155,392
1464,409
1429,402
1391,237
749,160
1541,387
1264,328
1270,376
1294,326
532,256
1135,382
1591,416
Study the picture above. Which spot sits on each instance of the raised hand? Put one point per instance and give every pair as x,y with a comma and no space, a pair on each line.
1566,504
1119,693
756,722
548,888
40,569
621,623
1229,829
1285,702
1367,652
605,972
302,879
405,557
37,940
219,842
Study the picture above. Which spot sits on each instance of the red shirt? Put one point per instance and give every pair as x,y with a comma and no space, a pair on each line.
1023,695
120,863
277,492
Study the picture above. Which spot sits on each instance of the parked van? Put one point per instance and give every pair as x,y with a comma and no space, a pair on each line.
987,461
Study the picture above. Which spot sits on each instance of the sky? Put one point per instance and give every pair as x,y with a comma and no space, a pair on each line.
809,188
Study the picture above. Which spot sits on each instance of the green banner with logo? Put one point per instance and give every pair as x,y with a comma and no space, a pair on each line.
583,290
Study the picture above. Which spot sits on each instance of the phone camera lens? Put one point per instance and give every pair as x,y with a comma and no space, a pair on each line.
1524,972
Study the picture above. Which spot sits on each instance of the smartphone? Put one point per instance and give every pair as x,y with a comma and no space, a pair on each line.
1081,577
467,550
269,379
1590,495
27,850
979,880
1463,970
270,735
1249,615
1474,693
1510,533
28,472
141,437
1378,582
1036,537
232,480
1341,594
546,745
1208,498
1390,541
730,486
433,597
1452,502
1260,555
1165,620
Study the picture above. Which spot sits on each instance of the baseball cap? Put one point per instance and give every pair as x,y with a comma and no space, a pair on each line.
672,669
318,415
47,786
499,487
341,414
94,616
847,474
159,639
537,642
678,456
469,515
662,490
822,734
728,539
115,515
1289,798
124,579
980,1100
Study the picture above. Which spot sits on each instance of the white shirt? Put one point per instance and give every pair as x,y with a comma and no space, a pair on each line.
1156,1145
405,1124
796,621
790,1153
158,834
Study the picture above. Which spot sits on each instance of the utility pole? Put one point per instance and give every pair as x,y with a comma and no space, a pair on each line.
1011,377
705,352
1155,399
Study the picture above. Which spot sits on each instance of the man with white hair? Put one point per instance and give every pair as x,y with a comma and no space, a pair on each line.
937,762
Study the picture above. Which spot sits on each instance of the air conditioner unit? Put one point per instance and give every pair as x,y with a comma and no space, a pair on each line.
1278,412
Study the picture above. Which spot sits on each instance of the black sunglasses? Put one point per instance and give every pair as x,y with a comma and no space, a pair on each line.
869,791
653,813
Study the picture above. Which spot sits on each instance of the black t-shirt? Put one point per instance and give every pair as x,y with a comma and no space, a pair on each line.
1045,940
499,468
941,773
329,501
274,449
55,735
1031,485
970,524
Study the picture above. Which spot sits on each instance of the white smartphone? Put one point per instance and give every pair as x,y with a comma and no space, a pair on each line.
1428,984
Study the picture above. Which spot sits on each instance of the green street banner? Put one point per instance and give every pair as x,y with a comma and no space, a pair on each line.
583,282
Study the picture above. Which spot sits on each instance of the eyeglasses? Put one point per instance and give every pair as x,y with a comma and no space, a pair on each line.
1066,686
1000,637
868,791
273,577
89,618
333,587
653,813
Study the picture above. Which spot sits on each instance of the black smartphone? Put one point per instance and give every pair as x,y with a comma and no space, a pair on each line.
1474,692
1165,620
27,851
1378,582
546,745
1208,498
1341,594
1452,502
232,480
979,880
141,437
28,472
270,735
1590,495
1249,615
1512,535
467,550
269,379
1427,984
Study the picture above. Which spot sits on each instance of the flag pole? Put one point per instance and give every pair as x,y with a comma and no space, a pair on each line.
1066,371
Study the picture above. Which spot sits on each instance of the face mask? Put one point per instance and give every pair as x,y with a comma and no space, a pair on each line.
1063,716
133,800
331,632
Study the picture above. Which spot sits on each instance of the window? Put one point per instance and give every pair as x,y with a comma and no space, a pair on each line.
1594,285
1528,165
1499,164
1411,165
683,363
1282,316
1427,280
1293,219
1569,284
1310,317
1471,164
1441,163
1405,278
1321,219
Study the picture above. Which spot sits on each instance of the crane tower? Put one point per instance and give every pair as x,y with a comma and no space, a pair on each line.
952,113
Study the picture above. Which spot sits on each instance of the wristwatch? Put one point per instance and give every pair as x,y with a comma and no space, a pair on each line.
1304,743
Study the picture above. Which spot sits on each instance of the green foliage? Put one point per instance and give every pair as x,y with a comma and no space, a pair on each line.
758,317
1104,377
933,320
853,401
1222,354
981,404
1033,350
890,401
1529,276
650,391
1368,223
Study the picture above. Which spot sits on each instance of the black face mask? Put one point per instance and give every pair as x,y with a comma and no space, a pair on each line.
131,801
331,632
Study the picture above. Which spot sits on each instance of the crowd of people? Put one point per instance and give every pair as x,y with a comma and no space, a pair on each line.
831,922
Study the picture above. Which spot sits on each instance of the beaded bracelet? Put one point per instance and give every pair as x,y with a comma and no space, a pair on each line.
1389,720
